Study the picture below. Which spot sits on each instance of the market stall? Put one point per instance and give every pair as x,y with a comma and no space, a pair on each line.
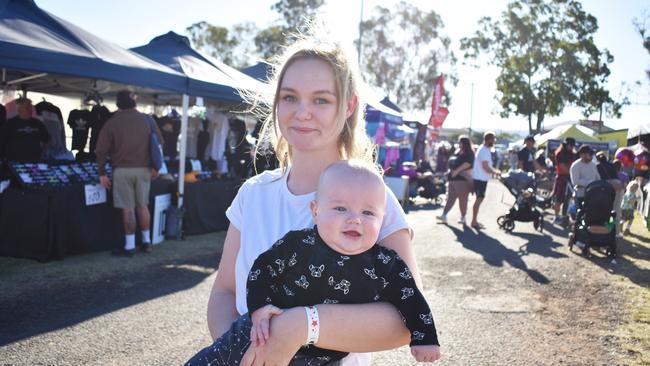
41,52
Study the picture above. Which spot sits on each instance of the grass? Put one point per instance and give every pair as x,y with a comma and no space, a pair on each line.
635,253
18,276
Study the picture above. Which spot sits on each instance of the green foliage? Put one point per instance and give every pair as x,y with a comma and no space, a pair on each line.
547,59
231,46
244,43
403,50
641,26
296,12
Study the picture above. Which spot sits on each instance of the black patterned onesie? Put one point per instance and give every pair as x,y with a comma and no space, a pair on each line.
301,270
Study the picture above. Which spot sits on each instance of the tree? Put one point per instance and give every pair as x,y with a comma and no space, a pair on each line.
231,46
244,43
547,59
296,12
403,52
641,26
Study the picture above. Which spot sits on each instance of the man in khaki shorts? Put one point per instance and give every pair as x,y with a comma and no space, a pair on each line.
125,138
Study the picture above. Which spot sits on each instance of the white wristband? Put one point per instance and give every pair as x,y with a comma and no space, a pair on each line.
313,325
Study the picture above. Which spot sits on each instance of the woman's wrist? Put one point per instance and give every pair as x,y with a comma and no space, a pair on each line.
291,325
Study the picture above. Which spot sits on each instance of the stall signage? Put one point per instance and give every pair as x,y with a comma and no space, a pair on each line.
95,194
196,165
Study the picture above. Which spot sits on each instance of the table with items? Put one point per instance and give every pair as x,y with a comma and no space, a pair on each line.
53,210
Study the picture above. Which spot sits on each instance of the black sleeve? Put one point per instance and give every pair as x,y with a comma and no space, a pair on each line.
43,134
402,292
266,275
522,155
470,159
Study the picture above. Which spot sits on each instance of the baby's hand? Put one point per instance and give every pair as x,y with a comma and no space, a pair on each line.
426,353
260,319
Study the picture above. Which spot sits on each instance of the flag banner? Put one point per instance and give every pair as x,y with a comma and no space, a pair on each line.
437,99
439,117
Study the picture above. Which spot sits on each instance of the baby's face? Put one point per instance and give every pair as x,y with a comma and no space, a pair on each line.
349,213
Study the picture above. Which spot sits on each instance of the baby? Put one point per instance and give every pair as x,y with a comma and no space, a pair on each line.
337,261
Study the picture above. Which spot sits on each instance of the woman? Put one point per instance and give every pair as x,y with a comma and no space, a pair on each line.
314,121
460,178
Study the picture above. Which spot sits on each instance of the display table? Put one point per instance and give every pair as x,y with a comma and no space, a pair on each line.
45,225
52,224
205,205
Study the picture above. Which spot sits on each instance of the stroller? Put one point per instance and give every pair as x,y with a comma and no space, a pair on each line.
523,187
595,224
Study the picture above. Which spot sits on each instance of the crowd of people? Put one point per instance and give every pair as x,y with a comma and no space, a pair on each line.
570,169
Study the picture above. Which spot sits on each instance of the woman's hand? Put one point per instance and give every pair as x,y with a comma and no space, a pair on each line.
288,333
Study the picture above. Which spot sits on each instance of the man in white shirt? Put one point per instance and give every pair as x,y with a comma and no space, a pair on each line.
583,171
483,171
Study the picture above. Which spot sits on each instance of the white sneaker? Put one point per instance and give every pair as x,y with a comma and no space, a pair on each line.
443,218
462,220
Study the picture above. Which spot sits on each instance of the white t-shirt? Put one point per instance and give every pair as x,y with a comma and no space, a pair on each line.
264,210
483,154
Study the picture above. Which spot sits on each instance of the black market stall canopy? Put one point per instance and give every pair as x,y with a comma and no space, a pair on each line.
42,52
207,77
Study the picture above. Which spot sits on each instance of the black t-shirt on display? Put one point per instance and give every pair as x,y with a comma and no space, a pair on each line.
80,122
20,140
3,115
170,128
457,160
100,115
527,156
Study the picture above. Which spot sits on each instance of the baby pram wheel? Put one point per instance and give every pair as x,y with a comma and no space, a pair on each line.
500,220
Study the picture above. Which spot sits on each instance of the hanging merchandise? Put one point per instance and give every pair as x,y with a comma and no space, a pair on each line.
100,114
80,121
194,126
50,116
203,139
170,128
3,115
218,127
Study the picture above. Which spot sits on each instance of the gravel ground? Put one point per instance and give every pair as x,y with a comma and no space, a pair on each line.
497,298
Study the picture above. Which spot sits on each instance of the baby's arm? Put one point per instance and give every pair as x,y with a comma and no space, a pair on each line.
402,292
264,281
260,319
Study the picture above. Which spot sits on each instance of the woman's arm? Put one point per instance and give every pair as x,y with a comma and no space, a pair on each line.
221,305
455,172
343,327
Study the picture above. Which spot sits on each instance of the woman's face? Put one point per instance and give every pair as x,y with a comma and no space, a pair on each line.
307,106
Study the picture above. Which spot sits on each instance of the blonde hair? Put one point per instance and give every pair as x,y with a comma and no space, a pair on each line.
352,142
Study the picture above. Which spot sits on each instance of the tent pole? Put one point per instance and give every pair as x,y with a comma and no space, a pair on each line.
183,152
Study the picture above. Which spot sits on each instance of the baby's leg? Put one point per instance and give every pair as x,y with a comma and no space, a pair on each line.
228,349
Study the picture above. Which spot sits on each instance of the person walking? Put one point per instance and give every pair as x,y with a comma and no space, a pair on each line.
460,179
564,157
526,157
583,171
125,139
482,172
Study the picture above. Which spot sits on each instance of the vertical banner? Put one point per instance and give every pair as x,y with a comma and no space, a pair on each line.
437,99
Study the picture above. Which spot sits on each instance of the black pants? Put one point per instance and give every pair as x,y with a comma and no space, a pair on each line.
229,349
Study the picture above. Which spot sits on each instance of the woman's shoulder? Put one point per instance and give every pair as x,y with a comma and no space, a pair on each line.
265,177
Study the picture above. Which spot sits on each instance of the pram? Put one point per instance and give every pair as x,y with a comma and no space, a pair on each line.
523,187
595,224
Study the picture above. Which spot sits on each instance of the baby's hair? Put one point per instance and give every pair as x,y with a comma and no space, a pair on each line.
633,186
353,142
350,170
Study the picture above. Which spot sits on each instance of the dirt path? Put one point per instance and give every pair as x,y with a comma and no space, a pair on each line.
515,299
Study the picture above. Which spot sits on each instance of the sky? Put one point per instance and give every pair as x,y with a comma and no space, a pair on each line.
134,23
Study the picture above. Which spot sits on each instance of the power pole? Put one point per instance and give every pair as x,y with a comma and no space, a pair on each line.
471,111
